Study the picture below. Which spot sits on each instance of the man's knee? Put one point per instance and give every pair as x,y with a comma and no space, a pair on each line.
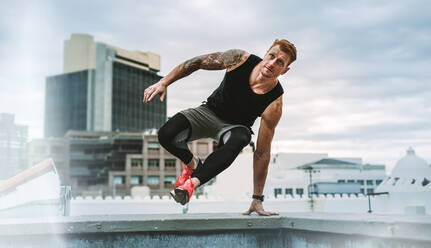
163,135
241,136
246,138
172,128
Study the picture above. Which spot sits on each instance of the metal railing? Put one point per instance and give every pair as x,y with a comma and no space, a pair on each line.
369,199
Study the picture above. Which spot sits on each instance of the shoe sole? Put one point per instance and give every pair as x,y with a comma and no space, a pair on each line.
181,196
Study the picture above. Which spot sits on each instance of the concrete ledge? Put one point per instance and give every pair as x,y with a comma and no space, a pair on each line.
379,226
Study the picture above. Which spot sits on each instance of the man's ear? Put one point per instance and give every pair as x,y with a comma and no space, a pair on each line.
285,70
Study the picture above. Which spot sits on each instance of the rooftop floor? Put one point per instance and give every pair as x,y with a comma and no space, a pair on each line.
220,230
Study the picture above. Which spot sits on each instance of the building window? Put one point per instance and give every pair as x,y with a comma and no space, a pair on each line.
369,182
277,192
130,148
169,163
361,182
370,191
341,181
136,163
153,146
288,191
135,180
350,181
395,181
378,182
300,191
153,180
153,163
169,180
362,191
118,179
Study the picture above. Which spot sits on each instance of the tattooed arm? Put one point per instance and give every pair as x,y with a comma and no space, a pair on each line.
228,60
214,61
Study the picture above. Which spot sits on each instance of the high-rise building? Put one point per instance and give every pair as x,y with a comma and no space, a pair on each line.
101,89
13,138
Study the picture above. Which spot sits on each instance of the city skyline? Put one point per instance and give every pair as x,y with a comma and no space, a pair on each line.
359,88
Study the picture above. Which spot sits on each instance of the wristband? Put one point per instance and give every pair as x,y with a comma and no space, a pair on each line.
258,197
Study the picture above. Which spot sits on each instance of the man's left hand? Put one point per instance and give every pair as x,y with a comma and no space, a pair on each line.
256,206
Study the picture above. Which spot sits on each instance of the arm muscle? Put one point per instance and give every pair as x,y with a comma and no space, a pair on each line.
269,121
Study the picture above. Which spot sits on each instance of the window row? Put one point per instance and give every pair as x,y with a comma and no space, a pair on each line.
153,163
288,191
151,180
361,182
300,191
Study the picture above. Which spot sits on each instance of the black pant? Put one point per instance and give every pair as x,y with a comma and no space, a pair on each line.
174,134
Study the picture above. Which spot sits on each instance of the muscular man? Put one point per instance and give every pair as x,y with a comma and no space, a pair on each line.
249,89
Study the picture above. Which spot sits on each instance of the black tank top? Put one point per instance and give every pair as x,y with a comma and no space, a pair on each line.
235,102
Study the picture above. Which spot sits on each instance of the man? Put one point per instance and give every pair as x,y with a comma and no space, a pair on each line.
250,88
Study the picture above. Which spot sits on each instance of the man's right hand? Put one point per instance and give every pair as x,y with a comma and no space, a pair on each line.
256,206
158,88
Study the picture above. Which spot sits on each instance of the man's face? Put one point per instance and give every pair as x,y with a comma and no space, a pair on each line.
275,63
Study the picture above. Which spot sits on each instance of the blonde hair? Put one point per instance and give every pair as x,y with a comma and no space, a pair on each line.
286,47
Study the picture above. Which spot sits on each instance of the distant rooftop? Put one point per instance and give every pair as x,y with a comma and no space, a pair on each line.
330,163
81,53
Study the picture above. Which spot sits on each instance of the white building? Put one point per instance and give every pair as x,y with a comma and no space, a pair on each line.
287,176
328,175
408,187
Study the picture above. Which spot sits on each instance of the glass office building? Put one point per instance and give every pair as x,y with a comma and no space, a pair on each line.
128,111
66,103
102,90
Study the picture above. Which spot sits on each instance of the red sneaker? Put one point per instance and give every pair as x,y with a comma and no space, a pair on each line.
185,174
184,192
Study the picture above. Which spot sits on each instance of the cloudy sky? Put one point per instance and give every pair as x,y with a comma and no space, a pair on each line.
361,86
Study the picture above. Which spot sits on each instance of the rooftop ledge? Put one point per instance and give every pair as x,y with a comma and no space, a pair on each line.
287,227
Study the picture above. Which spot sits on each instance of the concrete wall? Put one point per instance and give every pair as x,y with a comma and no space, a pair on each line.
219,230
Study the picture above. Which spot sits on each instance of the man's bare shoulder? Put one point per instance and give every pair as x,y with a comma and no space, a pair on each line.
234,58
